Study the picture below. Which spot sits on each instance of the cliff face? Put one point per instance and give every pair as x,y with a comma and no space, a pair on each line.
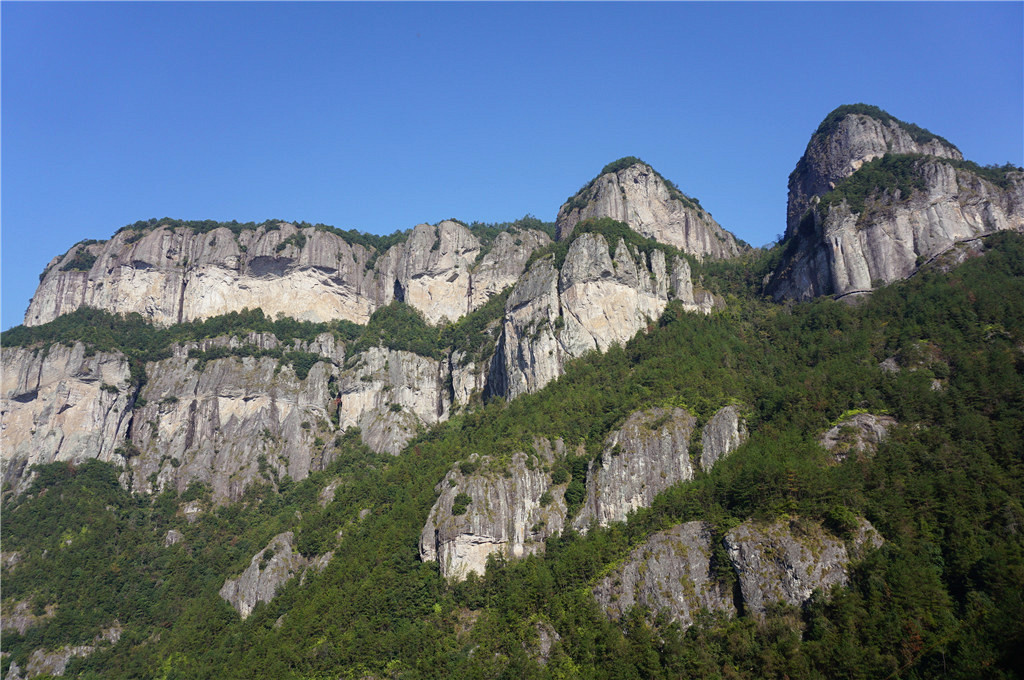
842,144
670,571
170,275
648,454
722,434
489,507
61,405
268,570
640,197
596,299
888,214
227,422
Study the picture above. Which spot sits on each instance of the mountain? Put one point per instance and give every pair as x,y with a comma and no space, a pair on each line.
873,198
284,450
628,190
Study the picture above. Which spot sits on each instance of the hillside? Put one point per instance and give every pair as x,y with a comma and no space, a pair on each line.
613,457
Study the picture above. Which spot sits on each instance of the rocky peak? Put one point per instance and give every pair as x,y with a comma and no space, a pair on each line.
631,191
850,136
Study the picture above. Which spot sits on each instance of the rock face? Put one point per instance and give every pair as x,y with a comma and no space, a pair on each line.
721,435
506,513
269,569
859,434
227,422
648,454
170,275
889,232
786,561
670,571
61,405
844,142
640,197
596,299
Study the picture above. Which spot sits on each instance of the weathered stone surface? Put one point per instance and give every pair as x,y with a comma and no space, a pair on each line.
169,275
859,434
638,196
54,662
784,561
670,571
841,252
596,300
19,616
389,394
721,435
61,405
268,570
648,454
505,514
838,153
173,537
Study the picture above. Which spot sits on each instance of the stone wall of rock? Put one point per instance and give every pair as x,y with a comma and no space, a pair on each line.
721,435
507,513
638,196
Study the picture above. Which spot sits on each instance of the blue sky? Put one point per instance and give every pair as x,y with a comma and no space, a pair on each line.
380,116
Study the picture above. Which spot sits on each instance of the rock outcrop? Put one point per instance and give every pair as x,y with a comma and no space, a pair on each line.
671,571
61,404
173,274
244,417
486,506
900,197
596,299
787,560
268,570
648,454
860,434
848,138
634,193
721,435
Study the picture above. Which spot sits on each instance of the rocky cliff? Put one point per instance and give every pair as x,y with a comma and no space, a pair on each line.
597,298
873,199
631,191
268,570
170,274
648,454
492,506
226,411
61,404
671,571
721,435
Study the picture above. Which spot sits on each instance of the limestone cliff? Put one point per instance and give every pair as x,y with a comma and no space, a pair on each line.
860,434
671,571
648,454
489,506
631,191
873,200
721,435
61,404
597,298
787,560
227,421
849,137
170,274
268,570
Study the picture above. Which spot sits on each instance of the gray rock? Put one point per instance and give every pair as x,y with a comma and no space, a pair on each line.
508,513
170,275
671,571
18,616
638,196
784,561
841,252
860,434
648,454
173,537
268,570
721,435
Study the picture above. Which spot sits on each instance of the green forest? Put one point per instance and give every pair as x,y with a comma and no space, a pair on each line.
943,597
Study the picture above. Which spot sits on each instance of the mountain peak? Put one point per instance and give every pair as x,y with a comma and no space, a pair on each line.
631,191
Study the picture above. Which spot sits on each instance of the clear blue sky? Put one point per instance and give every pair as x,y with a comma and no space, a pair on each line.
382,116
